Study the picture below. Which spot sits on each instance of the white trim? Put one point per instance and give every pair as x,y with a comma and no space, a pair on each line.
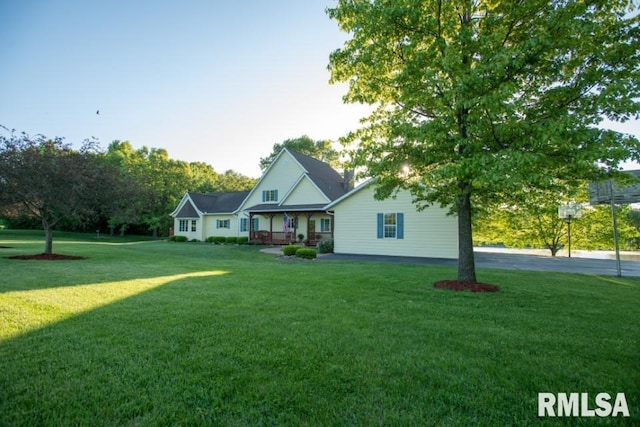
350,193
183,201
295,186
264,174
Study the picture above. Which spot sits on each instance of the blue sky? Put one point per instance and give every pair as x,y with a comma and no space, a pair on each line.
212,81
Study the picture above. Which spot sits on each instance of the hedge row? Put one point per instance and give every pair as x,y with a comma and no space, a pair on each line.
214,239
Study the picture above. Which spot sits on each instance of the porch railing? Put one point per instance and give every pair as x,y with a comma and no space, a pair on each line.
284,238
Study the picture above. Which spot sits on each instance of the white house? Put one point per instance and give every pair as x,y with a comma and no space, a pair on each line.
289,200
299,195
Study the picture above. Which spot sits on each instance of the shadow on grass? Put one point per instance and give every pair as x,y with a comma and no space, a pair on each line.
240,350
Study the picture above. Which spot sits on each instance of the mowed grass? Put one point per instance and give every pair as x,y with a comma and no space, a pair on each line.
155,333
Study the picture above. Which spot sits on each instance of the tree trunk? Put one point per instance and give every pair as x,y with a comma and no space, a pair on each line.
48,240
466,262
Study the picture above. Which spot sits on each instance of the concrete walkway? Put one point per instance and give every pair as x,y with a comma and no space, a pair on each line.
506,260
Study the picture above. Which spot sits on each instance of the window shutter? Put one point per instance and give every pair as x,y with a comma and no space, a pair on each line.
400,225
380,226
275,196
217,223
264,195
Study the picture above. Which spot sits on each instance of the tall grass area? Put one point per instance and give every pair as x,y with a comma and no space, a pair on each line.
154,333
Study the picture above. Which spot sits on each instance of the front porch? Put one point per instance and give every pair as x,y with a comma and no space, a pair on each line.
285,223
267,237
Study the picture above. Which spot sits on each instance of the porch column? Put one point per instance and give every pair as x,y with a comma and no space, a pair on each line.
271,215
308,215
250,226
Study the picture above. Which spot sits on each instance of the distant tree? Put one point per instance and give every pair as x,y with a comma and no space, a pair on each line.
633,218
321,150
157,182
49,180
531,221
234,181
478,99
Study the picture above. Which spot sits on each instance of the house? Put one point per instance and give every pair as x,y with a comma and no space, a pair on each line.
287,201
300,195
199,216
394,227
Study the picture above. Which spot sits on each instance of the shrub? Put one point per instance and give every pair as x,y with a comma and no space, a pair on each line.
306,253
178,238
216,239
194,240
243,240
325,247
290,250
231,239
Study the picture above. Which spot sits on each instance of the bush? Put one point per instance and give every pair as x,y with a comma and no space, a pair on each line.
290,250
231,240
243,240
178,238
325,247
306,253
216,239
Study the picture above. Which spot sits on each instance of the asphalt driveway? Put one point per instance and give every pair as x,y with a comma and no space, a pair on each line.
606,267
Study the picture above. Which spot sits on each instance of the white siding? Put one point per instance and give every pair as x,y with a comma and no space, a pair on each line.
211,230
305,193
281,176
190,235
429,233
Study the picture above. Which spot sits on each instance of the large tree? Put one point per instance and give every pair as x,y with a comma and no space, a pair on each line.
48,179
479,99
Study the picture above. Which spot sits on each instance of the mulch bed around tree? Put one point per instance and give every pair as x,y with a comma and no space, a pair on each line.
455,285
47,257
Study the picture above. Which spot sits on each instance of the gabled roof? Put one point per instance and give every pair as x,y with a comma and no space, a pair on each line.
188,211
330,182
195,204
218,202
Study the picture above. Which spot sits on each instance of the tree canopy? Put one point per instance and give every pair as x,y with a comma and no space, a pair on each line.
49,180
479,100
321,150
123,187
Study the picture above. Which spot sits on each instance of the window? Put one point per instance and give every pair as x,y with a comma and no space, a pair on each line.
391,225
183,225
325,224
270,196
193,225
244,224
223,223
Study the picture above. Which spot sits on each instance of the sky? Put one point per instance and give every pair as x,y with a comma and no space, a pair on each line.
211,81
218,82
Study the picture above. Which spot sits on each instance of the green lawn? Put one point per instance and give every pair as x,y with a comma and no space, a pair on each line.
156,333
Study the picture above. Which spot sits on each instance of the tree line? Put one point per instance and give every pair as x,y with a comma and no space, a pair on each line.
532,221
46,183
